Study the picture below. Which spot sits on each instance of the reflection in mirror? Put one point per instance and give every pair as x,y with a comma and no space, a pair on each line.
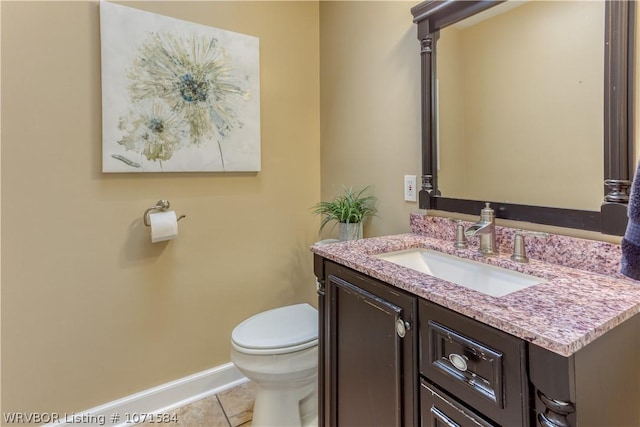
520,105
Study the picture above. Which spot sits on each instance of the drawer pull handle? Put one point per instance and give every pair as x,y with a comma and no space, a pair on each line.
458,362
440,416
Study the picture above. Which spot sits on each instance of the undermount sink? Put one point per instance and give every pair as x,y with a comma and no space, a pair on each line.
488,279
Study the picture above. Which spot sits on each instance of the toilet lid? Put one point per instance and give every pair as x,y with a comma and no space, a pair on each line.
284,327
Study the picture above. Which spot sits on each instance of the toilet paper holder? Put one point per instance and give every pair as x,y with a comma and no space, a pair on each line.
161,205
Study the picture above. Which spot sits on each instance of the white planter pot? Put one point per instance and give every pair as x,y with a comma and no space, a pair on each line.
350,231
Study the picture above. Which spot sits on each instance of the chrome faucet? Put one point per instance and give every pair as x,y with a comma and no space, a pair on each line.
486,229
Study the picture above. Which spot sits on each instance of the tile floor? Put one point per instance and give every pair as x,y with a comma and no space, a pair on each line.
230,408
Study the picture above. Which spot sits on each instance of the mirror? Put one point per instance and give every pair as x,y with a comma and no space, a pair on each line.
517,100
525,84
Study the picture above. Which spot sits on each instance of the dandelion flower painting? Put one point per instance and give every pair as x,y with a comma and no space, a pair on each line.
177,96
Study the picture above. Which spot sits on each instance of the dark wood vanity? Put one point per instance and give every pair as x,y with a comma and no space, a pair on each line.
391,358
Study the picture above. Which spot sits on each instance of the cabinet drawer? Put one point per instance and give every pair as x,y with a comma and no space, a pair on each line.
466,362
480,365
441,410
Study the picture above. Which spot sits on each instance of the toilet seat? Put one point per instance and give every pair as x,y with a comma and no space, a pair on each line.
278,331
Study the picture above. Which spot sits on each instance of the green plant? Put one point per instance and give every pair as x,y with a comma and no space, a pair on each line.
350,207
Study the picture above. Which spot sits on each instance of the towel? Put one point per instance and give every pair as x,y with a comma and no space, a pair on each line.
630,262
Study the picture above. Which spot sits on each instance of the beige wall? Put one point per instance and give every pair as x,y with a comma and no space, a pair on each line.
91,310
370,105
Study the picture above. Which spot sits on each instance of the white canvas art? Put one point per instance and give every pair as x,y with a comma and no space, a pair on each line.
177,96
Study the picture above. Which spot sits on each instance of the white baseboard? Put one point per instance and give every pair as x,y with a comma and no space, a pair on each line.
157,400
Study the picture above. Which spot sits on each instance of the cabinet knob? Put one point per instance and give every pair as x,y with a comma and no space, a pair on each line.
402,327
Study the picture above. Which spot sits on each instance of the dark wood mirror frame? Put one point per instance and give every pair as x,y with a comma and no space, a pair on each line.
433,15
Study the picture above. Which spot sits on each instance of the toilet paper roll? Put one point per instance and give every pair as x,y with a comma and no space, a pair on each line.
164,226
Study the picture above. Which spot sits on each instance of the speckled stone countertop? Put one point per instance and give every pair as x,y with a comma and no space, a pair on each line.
584,295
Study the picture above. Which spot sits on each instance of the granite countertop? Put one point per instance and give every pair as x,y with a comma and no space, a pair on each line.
573,307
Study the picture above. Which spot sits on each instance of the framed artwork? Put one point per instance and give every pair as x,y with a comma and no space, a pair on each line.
177,96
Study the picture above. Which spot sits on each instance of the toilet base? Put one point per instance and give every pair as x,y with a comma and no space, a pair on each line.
275,406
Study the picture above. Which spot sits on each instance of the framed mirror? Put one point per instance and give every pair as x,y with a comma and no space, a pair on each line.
528,105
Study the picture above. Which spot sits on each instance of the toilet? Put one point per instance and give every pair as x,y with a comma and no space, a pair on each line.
278,350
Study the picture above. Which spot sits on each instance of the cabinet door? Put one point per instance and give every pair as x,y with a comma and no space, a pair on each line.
371,361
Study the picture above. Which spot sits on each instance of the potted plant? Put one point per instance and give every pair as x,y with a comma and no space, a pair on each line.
348,210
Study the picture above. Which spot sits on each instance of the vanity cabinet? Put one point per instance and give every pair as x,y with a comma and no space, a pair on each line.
390,358
368,361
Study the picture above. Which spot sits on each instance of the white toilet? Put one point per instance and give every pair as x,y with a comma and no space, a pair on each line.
278,350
